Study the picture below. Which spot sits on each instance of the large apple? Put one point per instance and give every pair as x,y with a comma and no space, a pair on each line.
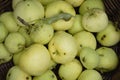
109,36
35,60
108,59
57,7
89,58
71,70
95,20
29,11
90,4
63,47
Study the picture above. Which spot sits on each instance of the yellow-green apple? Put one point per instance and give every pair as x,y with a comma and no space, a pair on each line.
70,70
109,36
15,73
108,59
8,19
90,75
58,7
3,32
14,42
48,75
35,60
90,4
28,11
95,20
62,47
89,58
77,26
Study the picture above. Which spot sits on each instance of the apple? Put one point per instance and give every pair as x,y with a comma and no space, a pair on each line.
8,20
109,36
3,32
108,59
35,60
90,75
48,75
95,20
90,4
77,26
46,2
14,42
29,11
89,58
56,8
75,3
70,70
15,73
85,39
5,55
62,47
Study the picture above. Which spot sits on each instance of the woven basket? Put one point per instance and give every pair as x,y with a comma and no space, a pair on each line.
113,12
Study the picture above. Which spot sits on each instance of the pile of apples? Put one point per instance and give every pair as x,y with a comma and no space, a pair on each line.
39,35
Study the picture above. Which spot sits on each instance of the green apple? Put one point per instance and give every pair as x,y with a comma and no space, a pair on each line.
75,3
90,75
14,42
3,32
48,75
89,58
63,47
15,73
29,11
90,4
85,39
109,36
77,26
58,7
9,21
108,59
5,55
70,70
95,20
35,60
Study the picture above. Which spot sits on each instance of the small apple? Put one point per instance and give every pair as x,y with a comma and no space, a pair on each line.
3,32
108,59
56,8
109,36
95,20
35,60
9,21
14,42
70,70
77,25
90,75
75,3
62,47
29,11
48,75
89,58
15,73
90,4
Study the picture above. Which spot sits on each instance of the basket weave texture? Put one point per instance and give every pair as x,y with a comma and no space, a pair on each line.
113,11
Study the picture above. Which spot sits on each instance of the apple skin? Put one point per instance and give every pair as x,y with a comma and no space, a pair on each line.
29,11
35,60
57,7
95,20
90,75
70,70
90,4
15,73
89,58
109,36
108,59
62,47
